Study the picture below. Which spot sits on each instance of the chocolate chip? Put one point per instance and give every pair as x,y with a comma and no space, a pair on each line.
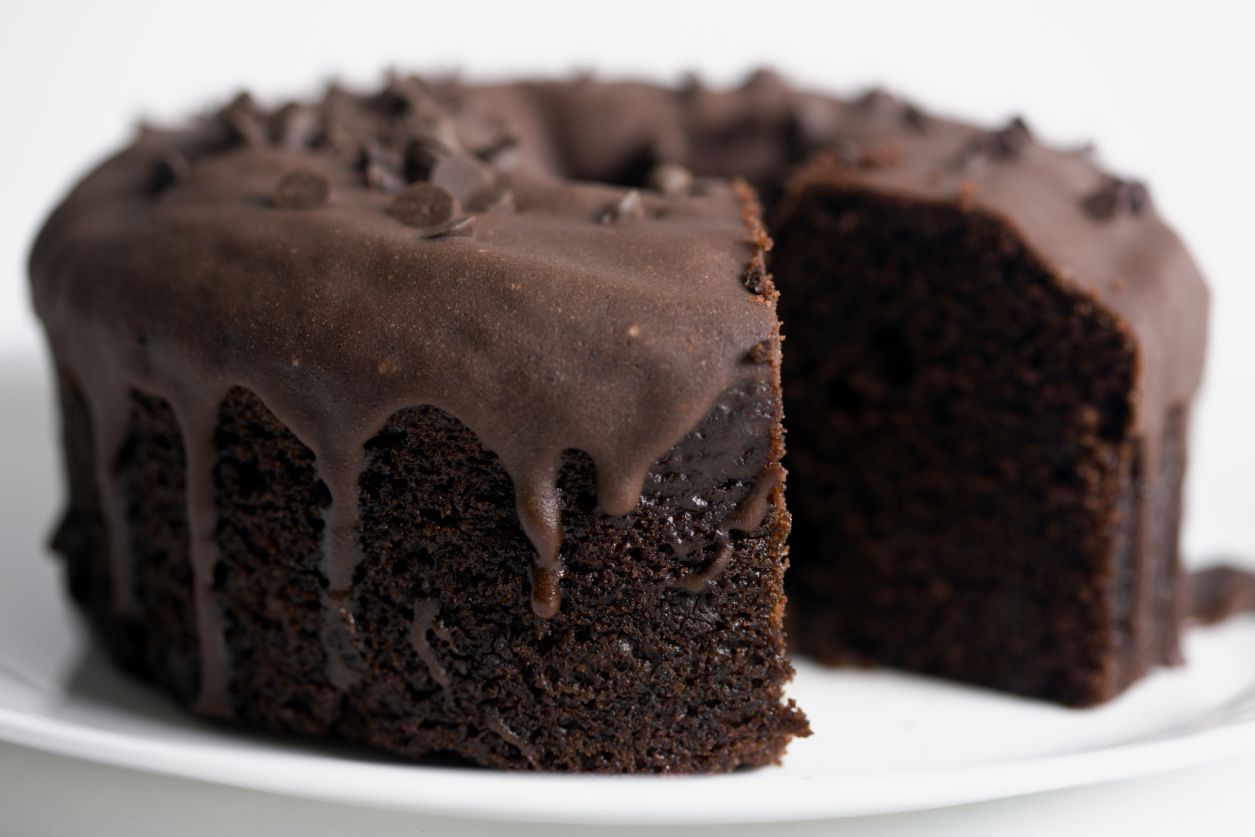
294,126
691,86
1136,196
461,174
670,179
761,352
1002,145
421,157
302,189
381,169
1101,205
381,177
424,205
502,154
465,177
1115,196
438,133
242,120
914,118
764,80
754,279
332,134
496,198
812,123
871,99
482,132
1009,140
630,207
456,227
168,169
393,100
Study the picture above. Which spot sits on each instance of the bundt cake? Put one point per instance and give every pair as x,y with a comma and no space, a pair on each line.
448,419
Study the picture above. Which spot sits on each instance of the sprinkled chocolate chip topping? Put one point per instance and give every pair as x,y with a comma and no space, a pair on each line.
914,118
1009,140
1115,196
630,207
871,98
812,123
242,121
294,126
436,133
670,179
425,205
1002,145
381,169
169,168
502,153
690,87
461,174
301,189
763,80
754,280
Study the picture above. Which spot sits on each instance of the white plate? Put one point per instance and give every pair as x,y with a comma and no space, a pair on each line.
883,742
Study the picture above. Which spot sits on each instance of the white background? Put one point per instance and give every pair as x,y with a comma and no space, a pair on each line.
1164,88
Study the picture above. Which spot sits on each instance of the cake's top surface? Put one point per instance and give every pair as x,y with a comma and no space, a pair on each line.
366,253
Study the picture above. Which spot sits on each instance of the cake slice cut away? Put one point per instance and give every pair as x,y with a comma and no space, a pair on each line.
992,351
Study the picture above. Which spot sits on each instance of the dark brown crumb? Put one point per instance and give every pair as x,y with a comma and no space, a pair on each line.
966,487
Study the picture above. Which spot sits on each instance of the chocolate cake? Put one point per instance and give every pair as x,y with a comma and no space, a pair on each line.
447,419
371,436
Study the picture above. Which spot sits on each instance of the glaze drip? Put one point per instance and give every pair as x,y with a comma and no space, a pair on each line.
749,516
424,623
198,424
540,514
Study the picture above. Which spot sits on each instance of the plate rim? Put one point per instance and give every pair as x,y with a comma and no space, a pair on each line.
505,796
